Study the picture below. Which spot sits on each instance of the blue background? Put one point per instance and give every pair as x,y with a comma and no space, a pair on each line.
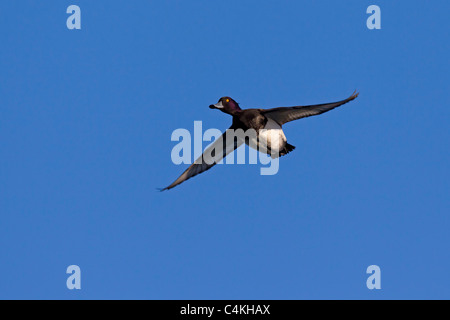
86,118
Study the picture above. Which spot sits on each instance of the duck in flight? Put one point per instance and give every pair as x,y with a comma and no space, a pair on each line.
269,119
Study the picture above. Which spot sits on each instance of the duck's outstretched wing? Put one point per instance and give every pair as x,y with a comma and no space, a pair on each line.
208,159
286,114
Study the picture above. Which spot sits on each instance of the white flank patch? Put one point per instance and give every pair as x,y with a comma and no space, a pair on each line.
274,135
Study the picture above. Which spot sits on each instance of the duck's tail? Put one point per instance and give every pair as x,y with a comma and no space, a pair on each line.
287,148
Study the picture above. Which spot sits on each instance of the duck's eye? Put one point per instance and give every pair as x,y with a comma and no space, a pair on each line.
228,100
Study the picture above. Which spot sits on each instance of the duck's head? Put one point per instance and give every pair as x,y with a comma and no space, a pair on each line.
226,104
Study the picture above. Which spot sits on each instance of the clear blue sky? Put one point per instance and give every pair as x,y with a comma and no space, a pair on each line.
85,123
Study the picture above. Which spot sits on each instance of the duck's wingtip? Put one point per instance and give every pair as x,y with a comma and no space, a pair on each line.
161,189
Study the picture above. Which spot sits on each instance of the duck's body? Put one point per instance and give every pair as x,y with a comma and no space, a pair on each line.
267,123
269,134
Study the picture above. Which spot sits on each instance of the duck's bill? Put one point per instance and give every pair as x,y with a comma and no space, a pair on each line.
218,105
